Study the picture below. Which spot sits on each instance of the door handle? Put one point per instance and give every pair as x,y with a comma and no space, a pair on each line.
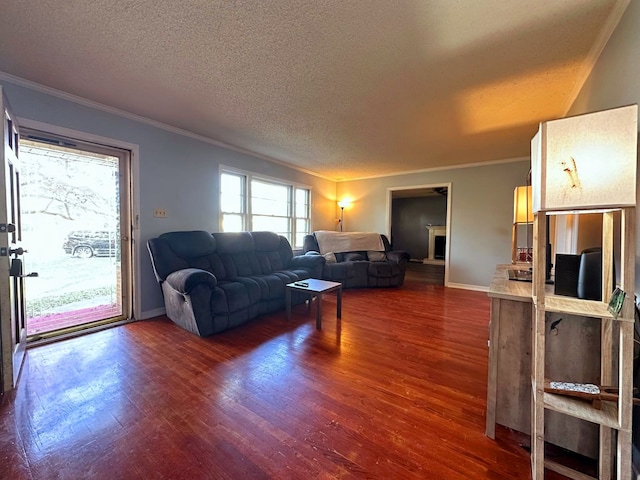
16,269
17,251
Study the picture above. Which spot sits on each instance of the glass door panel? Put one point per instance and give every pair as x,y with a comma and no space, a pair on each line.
75,218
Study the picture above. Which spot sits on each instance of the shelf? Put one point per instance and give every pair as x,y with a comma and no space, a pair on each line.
566,471
611,415
607,415
576,306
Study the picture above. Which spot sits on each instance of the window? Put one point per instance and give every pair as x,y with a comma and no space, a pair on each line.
249,202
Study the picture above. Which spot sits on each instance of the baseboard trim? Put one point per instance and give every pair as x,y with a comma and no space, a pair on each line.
477,288
156,312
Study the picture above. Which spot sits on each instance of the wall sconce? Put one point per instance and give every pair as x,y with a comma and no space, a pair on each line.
342,204
522,215
586,162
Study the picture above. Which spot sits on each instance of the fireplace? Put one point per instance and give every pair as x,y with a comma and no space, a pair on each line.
439,247
437,241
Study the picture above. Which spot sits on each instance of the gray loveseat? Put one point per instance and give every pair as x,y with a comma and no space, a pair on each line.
212,282
361,268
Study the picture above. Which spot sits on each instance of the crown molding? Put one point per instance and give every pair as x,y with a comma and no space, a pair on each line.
439,169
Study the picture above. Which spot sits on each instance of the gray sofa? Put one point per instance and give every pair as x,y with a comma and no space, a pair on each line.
212,282
361,268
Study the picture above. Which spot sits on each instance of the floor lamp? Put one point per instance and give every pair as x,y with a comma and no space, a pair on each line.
342,204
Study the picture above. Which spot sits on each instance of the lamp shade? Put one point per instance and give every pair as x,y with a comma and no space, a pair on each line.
586,162
522,206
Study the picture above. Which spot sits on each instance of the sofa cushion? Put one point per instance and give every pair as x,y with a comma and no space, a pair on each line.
376,256
383,269
269,261
252,287
330,257
171,252
269,251
236,294
192,244
296,274
338,272
245,254
266,241
212,263
241,265
353,257
271,286
233,242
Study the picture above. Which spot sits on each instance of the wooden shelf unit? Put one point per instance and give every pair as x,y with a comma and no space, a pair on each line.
613,416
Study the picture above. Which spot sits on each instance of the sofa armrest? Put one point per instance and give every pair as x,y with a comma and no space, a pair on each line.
398,256
310,262
185,280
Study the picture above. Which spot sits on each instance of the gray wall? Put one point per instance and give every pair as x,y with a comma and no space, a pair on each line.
410,216
615,79
481,213
177,173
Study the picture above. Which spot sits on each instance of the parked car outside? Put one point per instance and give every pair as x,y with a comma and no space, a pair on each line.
90,243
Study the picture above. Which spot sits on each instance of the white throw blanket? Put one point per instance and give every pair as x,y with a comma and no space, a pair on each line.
335,242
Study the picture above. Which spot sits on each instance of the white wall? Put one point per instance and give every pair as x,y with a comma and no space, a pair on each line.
481,213
177,173
615,79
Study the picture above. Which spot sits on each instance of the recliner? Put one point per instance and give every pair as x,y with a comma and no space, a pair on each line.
215,281
355,269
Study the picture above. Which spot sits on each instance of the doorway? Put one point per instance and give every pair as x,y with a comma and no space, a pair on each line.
418,221
76,217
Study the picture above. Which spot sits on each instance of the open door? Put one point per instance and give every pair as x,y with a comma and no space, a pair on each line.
12,302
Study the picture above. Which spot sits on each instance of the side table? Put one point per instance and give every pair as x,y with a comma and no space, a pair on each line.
315,288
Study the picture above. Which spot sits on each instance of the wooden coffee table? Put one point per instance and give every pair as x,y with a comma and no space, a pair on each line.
315,288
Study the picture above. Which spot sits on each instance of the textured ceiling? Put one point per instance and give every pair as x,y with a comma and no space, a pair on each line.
343,88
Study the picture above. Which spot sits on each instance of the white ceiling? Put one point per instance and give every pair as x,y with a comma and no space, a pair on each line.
342,88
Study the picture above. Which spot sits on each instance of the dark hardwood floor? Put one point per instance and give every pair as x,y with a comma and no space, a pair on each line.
429,274
398,392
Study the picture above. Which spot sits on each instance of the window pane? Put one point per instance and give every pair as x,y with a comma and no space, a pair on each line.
302,228
231,183
302,203
232,193
232,223
279,225
269,198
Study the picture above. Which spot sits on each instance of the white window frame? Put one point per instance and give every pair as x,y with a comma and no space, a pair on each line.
247,215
